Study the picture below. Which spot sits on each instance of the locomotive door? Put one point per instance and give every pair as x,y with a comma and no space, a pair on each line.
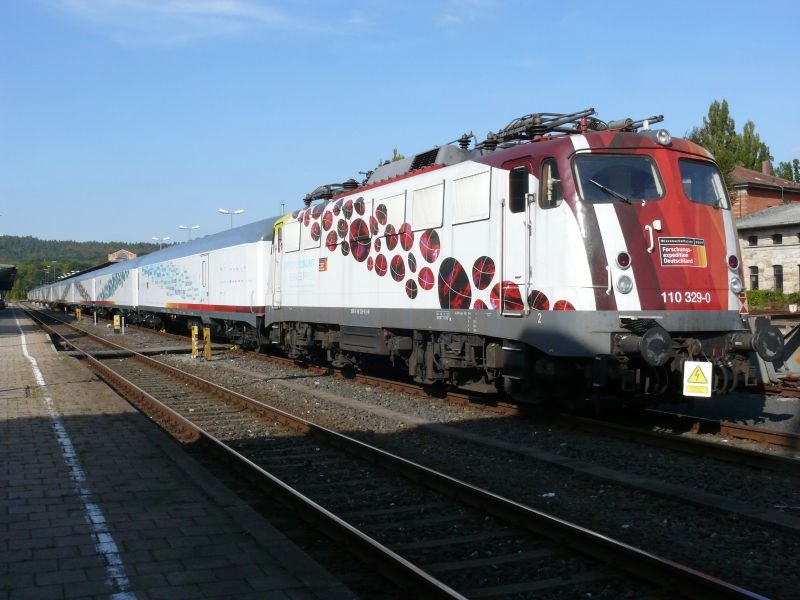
515,260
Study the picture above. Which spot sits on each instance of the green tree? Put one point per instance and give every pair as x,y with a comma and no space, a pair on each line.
751,152
789,170
18,291
718,136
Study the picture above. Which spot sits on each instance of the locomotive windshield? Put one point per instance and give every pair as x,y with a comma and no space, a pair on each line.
702,182
617,178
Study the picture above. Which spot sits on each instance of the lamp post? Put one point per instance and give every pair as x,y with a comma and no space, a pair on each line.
225,211
51,275
189,229
160,240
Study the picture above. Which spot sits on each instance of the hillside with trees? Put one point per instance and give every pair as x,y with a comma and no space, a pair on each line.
39,261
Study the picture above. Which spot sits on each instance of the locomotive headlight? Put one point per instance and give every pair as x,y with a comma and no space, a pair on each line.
663,137
736,285
624,284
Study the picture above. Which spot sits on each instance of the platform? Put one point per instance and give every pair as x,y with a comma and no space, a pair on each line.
97,502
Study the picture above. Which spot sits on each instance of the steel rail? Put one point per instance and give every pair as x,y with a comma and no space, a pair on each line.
784,439
677,443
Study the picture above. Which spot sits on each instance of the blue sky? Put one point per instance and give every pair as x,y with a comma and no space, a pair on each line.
122,119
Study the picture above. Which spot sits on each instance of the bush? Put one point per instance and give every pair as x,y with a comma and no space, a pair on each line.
770,299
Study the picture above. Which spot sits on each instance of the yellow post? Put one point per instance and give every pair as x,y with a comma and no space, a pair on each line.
195,351
117,324
77,314
207,342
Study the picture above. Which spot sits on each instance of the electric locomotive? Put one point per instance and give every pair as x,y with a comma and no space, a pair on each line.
561,253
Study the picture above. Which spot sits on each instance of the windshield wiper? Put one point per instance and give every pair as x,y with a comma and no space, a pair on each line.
611,192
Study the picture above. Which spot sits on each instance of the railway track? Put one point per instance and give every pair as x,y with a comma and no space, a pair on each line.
660,423
655,428
400,515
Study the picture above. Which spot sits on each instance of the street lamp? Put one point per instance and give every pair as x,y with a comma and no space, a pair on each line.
225,211
160,240
51,275
189,229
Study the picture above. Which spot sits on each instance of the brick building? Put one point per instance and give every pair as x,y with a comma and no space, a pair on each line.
754,191
770,243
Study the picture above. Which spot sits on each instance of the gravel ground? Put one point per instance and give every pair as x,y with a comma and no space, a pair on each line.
760,558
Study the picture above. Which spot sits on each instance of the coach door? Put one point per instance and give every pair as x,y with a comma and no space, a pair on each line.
277,253
515,260
204,277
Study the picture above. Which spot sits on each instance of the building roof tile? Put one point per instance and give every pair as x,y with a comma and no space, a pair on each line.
742,177
785,214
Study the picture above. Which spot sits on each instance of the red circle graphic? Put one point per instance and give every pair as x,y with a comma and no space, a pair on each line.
426,278
454,288
483,272
380,265
429,245
537,300
398,268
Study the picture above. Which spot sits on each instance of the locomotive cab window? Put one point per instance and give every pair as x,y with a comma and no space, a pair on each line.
617,178
551,194
702,183
518,189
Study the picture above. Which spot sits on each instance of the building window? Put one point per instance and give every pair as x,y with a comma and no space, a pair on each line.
752,240
753,278
777,238
777,272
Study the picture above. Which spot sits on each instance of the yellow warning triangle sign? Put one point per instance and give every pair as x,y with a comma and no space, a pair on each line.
697,376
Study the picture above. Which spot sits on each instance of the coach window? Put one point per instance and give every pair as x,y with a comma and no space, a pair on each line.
551,194
518,184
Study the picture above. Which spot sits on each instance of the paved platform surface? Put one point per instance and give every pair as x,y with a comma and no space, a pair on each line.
97,502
